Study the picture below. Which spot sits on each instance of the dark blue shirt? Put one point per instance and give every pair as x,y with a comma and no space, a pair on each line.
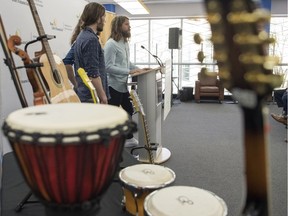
89,55
69,58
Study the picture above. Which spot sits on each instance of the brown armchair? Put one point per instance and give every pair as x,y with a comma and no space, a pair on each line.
208,86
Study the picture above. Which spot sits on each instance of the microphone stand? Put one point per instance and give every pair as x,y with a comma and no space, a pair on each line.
154,56
173,82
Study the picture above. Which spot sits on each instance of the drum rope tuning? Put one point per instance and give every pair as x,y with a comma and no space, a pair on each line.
103,134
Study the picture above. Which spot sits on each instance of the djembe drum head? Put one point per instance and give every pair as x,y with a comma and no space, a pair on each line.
184,201
68,153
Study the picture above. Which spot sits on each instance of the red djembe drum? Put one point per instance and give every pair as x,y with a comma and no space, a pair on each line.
68,153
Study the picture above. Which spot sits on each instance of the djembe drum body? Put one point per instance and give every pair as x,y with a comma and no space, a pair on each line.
68,153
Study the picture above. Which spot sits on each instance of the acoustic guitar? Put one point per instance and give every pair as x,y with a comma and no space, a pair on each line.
139,108
86,80
53,69
240,48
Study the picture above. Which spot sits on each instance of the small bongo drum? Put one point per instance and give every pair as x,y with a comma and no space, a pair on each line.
68,153
140,180
184,201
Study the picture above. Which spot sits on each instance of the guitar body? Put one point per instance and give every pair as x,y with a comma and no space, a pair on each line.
59,92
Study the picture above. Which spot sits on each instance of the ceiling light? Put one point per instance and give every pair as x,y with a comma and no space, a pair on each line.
133,6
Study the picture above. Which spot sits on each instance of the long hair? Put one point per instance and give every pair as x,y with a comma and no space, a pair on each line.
116,24
91,14
76,32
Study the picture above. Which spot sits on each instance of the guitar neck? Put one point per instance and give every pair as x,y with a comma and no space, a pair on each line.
94,96
256,162
147,137
44,40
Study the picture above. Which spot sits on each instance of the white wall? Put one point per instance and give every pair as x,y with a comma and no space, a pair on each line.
58,18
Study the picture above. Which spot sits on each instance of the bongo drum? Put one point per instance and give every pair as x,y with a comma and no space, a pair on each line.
140,180
68,153
184,201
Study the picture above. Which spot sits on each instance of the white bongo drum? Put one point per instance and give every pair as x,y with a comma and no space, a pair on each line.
68,153
140,180
184,201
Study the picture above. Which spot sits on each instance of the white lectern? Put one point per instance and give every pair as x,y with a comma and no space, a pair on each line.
149,87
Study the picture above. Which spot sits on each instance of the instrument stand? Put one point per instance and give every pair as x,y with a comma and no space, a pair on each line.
11,65
163,156
24,201
160,157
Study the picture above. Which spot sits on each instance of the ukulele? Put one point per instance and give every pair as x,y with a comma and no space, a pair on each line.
53,69
83,75
139,108
240,48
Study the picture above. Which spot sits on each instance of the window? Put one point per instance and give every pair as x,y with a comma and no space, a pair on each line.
154,35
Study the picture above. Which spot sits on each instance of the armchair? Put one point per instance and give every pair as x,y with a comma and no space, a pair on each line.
208,86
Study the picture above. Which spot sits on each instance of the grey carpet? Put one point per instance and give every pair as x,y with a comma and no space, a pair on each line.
207,152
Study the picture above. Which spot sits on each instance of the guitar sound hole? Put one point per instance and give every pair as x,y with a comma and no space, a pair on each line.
56,77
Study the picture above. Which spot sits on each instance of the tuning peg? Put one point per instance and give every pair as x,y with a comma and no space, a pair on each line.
214,18
224,74
220,56
259,15
225,77
217,38
262,15
260,78
261,38
214,6
268,62
197,38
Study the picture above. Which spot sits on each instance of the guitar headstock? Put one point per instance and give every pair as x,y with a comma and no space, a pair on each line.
136,102
241,47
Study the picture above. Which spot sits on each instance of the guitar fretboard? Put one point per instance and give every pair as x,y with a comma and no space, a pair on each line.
44,41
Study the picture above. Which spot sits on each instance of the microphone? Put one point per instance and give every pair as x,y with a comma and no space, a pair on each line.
154,56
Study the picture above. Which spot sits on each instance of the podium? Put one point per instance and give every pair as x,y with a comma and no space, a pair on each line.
149,88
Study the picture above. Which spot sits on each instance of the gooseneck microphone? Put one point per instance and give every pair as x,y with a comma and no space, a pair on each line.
154,56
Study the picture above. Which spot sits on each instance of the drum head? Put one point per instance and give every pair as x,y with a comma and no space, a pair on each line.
66,118
184,201
148,176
